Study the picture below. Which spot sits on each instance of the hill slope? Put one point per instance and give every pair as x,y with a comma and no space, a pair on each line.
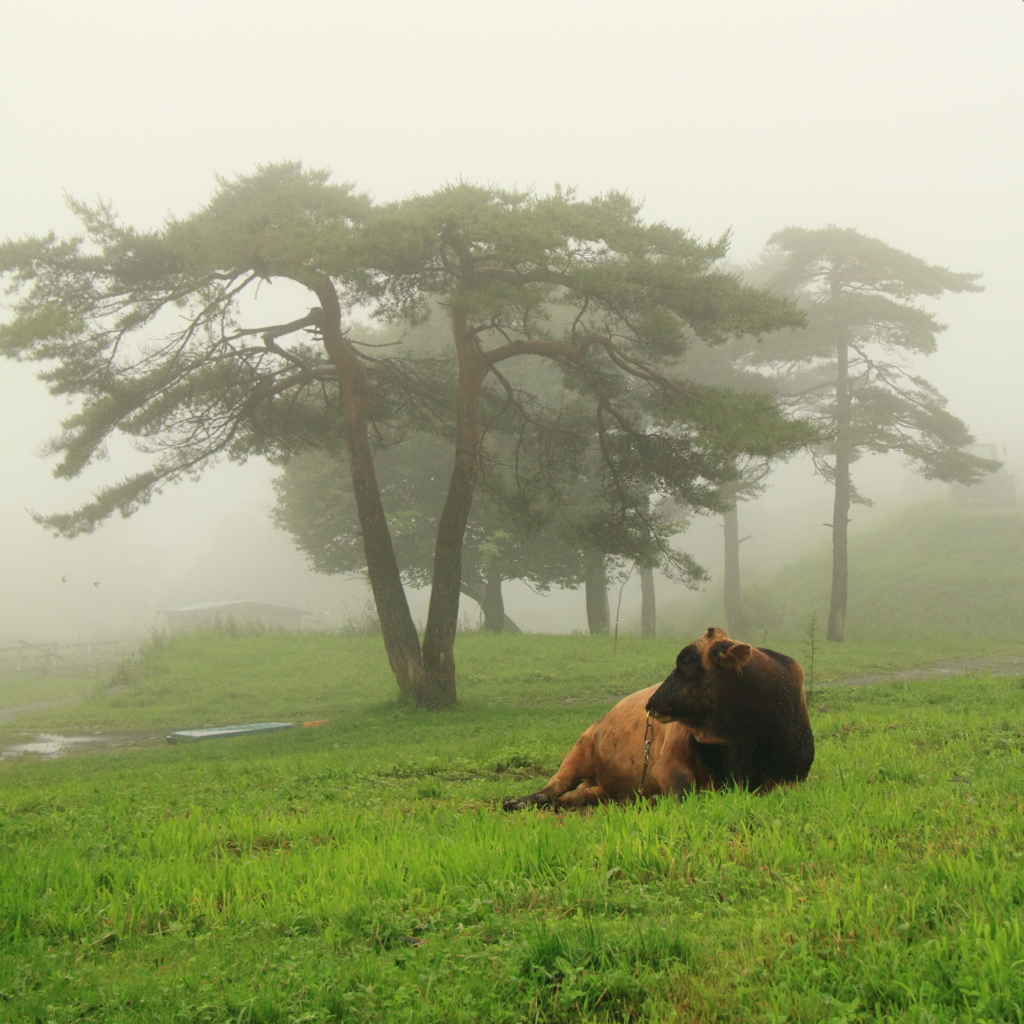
927,569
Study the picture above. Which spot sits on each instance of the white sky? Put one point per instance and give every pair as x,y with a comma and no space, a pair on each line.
901,118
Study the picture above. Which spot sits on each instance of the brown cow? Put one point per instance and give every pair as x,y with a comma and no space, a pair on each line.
728,714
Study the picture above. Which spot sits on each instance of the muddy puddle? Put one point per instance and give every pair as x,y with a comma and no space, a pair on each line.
47,746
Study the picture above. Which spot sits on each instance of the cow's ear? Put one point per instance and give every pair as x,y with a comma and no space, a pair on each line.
735,656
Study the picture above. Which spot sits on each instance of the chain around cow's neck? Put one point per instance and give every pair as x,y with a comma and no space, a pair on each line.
648,736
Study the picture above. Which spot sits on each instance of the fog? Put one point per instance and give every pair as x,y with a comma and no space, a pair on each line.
902,120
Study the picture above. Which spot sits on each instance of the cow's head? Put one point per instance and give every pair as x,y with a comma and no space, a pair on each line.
692,693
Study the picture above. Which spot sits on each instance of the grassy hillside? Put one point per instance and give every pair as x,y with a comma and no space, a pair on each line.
363,871
926,570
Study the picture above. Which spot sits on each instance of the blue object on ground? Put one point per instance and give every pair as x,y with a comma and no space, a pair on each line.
220,731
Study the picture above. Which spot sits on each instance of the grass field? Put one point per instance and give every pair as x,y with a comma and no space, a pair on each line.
17,690
362,871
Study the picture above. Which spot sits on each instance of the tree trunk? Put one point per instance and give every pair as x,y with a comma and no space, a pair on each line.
494,604
841,505
840,552
595,582
648,609
735,619
443,611
476,590
401,640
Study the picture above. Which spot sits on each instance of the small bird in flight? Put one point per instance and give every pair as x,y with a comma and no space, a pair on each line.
96,584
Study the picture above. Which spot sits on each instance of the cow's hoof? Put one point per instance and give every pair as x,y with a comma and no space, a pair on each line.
512,804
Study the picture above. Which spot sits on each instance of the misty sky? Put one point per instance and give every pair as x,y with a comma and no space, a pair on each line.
901,118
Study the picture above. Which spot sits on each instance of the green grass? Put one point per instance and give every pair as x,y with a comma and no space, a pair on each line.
19,689
190,681
362,871
929,569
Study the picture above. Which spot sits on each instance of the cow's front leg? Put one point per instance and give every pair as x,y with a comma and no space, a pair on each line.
575,772
586,794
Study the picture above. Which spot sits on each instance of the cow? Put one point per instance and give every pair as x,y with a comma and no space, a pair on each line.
728,714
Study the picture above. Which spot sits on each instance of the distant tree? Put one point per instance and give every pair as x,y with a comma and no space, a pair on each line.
595,588
315,505
648,605
749,485
617,526
148,330
848,371
729,365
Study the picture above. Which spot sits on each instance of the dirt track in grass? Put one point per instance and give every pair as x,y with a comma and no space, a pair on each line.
1009,665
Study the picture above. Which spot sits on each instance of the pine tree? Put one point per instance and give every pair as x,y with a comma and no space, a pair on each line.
850,370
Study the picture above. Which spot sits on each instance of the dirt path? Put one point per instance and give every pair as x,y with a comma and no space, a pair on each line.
1008,665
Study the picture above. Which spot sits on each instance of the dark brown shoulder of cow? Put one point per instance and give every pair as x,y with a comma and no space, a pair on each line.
782,659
